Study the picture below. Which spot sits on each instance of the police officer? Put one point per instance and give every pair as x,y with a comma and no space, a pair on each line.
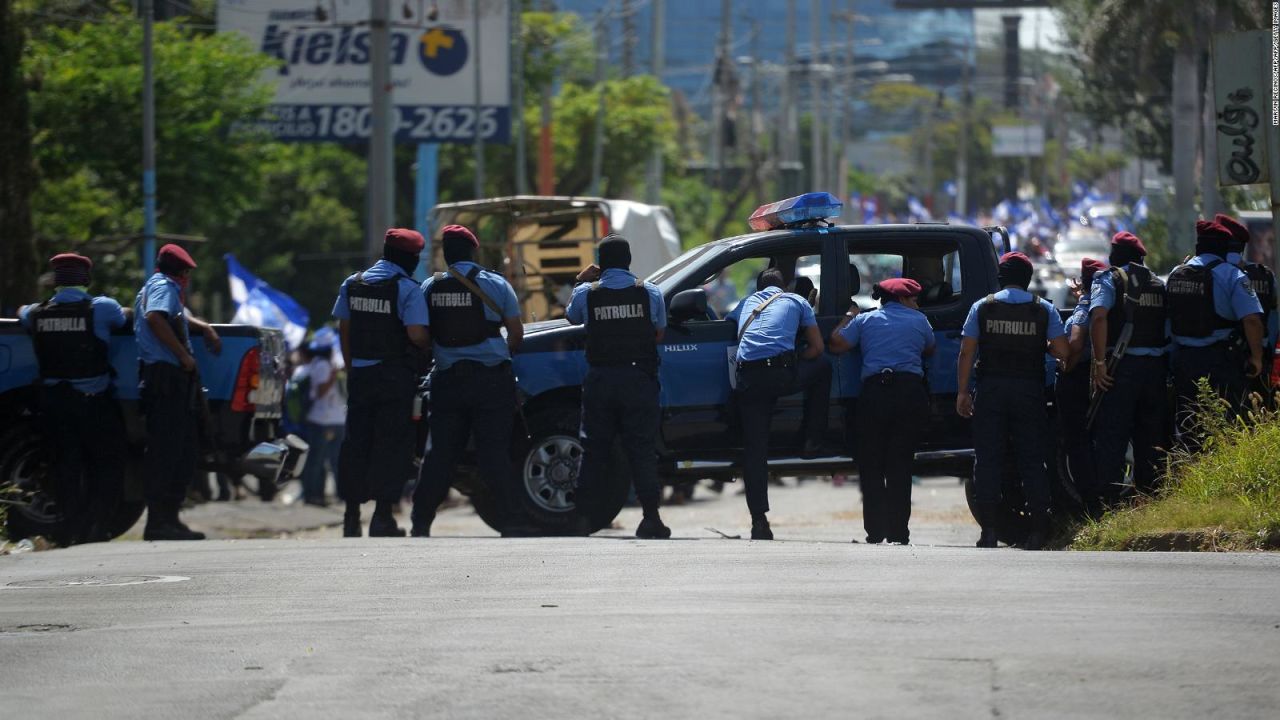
82,422
1008,333
1264,286
1128,297
473,391
894,340
382,318
170,390
1072,393
1211,301
625,319
768,368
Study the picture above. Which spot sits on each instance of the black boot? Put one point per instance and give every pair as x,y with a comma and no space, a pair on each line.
987,516
1039,531
760,529
383,523
163,524
651,528
351,526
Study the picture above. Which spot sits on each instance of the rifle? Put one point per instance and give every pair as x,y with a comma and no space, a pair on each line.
1117,352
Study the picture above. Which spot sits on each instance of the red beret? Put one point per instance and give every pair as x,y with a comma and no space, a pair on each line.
70,260
1125,238
1015,257
460,231
900,287
176,254
1237,229
1090,267
410,241
1212,232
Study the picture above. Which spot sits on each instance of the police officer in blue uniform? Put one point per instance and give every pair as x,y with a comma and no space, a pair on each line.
769,367
473,391
382,319
1210,303
1132,405
170,390
1072,394
1264,286
1008,333
894,340
625,319
82,424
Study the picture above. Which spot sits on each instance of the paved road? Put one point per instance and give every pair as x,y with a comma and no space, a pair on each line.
614,627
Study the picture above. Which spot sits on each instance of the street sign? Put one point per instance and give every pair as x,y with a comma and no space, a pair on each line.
322,78
1017,140
1241,94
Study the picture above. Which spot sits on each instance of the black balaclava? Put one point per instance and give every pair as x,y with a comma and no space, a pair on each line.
615,253
406,260
1208,246
457,249
1015,272
1122,255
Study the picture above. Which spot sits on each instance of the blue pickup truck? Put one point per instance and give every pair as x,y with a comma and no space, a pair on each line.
699,435
240,431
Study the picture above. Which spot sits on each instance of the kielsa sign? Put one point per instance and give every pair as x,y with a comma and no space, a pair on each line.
322,72
1243,77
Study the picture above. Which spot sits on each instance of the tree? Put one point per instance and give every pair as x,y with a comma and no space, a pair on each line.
17,242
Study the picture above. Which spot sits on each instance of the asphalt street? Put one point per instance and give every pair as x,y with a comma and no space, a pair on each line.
699,626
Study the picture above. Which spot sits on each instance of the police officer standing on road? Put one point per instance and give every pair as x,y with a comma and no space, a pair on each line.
895,340
1264,286
82,424
625,319
1128,299
473,391
769,369
1008,333
382,317
1072,392
1209,302
170,390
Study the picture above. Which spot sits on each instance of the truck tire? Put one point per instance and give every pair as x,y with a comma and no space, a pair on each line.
545,474
24,472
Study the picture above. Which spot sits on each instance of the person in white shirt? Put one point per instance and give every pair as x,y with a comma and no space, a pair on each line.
325,420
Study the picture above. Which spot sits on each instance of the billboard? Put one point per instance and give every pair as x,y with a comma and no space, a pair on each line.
1242,88
1017,140
322,76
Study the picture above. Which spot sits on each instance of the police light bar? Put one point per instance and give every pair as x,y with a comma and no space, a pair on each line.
809,207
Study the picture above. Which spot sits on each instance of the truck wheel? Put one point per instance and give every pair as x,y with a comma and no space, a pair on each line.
546,474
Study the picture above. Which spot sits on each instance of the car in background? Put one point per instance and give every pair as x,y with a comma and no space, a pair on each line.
1080,243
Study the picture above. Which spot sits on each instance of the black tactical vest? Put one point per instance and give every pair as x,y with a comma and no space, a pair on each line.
1143,300
620,327
66,347
457,314
376,331
1189,298
1263,282
1011,339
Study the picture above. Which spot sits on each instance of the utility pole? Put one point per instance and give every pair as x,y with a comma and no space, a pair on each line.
962,145
597,151
846,110
477,53
787,142
382,136
720,100
148,143
517,104
815,92
628,38
653,180
752,129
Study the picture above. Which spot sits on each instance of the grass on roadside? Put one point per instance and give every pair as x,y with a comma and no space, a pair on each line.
1226,497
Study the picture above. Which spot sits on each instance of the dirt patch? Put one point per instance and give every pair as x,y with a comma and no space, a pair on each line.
1205,540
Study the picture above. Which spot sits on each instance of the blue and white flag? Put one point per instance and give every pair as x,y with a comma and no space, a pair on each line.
917,210
1141,210
261,305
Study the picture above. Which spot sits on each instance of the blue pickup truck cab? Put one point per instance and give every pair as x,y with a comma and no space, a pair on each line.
240,432
699,435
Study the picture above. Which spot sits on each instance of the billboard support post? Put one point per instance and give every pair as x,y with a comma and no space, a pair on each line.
382,135
424,198
479,135
148,143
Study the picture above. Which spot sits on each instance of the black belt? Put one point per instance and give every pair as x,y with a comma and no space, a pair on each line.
888,376
465,368
782,360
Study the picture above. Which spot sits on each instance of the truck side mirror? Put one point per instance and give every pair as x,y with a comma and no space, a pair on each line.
688,305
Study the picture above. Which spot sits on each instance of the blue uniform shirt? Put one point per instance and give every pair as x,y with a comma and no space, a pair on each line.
1017,297
107,316
411,303
160,293
1103,295
892,338
1273,320
774,332
1080,316
492,351
1233,299
616,279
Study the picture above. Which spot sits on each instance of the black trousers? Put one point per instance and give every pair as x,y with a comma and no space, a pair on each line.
1132,411
169,398
468,400
377,450
1072,394
87,442
891,413
1014,408
758,391
619,403
1223,367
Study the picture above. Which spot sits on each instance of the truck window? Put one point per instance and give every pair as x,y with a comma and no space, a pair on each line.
935,266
